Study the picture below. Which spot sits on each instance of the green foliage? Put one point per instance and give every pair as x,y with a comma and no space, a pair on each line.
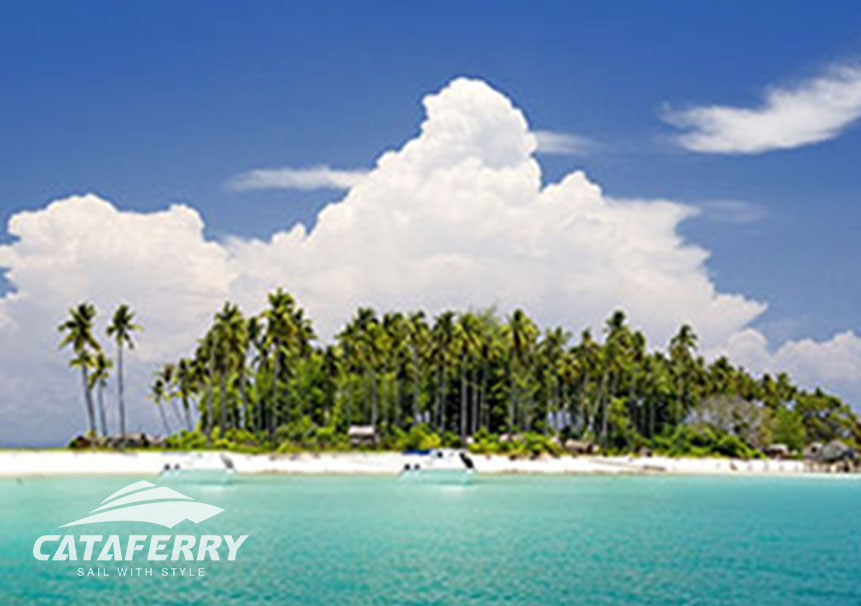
298,431
451,440
484,442
537,444
623,436
262,382
328,438
789,429
187,440
702,441
527,445
419,437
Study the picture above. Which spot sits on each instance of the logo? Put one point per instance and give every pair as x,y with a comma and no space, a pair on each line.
142,502
145,502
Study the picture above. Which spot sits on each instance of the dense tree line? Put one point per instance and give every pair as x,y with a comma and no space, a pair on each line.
464,377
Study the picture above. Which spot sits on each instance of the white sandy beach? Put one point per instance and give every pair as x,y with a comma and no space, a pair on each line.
24,463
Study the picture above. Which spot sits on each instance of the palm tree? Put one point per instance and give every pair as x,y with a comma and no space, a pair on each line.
157,395
168,376
589,356
682,347
287,333
419,338
204,367
551,352
101,365
490,347
121,328
79,335
467,344
443,335
232,331
84,361
520,335
396,357
186,386
469,372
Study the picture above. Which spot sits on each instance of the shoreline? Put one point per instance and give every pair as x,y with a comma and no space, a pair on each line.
35,463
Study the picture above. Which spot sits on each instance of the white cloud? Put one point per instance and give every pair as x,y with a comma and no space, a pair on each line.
814,110
734,212
316,177
835,362
84,248
457,217
564,144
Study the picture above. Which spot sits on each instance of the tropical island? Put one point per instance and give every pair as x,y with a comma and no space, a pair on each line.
475,380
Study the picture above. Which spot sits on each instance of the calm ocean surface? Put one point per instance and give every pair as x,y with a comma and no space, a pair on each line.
503,540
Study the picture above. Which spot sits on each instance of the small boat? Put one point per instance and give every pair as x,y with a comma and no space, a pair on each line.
200,468
438,465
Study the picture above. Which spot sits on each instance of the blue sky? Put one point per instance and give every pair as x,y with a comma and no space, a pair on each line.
148,103
745,110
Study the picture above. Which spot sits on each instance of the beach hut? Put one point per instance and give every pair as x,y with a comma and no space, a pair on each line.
581,447
777,451
812,450
362,435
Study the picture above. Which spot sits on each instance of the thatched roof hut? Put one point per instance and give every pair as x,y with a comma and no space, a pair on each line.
362,435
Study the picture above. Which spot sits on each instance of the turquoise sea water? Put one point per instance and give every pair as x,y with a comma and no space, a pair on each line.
503,540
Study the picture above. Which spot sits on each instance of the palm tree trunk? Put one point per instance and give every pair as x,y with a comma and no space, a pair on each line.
443,400
350,398
160,407
439,397
651,418
511,402
187,410
416,411
415,387
210,399
583,402
473,402
121,401
241,409
484,416
101,403
210,408
176,413
273,404
374,403
397,399
88,400
222,401
599,404
463,402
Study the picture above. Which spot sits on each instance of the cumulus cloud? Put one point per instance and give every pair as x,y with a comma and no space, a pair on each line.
456,217
316,177
83,248
835,362
563,144
812,111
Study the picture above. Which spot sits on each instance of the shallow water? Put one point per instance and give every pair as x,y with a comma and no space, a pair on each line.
502,540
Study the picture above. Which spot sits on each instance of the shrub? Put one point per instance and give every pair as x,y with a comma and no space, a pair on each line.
187,440
484,442
419,437
702,440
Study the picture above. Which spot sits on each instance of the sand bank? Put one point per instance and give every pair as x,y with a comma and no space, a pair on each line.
20,463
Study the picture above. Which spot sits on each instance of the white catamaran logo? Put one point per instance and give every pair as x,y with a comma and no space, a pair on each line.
142,502
145,502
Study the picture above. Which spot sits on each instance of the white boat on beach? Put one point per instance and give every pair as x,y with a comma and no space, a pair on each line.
438,465
200,468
